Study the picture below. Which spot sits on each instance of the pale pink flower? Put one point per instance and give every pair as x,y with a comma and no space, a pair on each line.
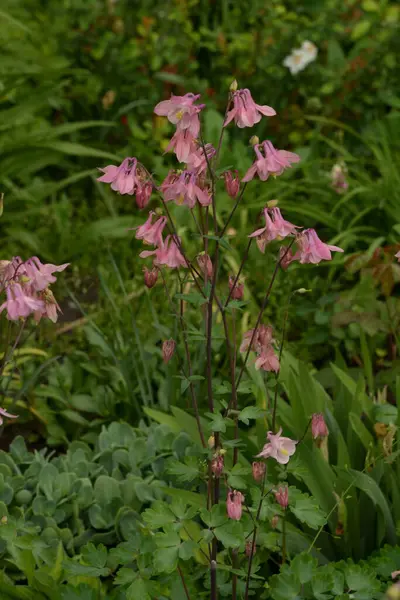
181,111
20,302
395,574
262,339
282,496
183,144
318,426
278,447
143,194
4,413
151,233
272,162
286,257
167,254
237,291
267,360
205,264
217,465
50,308
275,228
150,277
232,183
397,255
245,111
197,161
124,179
258,469
41,275
184,188
312,249
168,350
234,502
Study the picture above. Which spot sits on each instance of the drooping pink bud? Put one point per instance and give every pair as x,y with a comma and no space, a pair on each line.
217,465
318,426
237,291
250,550
143,194
282,496
150,277
205,264
232,183
234,502
274,521
168,350
286,257
259,469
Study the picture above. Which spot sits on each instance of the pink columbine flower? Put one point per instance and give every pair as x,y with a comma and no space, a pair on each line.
197,161
183,144
168,350
167,254
234,502
245,111
232,183
217,465
275,228
41,275
123,179
267,360
397,255
205,264
258,469
143,194
181,111
312,249
150,277
4,413
282,496
20,302
318,426
184,189
278,447
50,308
151,233
261,340
237,291
272,162
286,257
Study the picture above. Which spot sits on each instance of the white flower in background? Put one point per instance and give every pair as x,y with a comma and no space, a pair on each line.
301,57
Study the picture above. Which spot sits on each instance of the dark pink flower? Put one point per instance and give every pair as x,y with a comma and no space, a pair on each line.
275,228
151,233
237,291
4,413
217,465
205,264
245,111
272,162
184,188
124,179
319,429
150,277
167,254
232,183
234,502
258,469
197,161
168,350
312,249
282,496
278,447
20,302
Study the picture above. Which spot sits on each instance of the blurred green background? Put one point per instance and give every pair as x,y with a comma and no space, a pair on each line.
78,83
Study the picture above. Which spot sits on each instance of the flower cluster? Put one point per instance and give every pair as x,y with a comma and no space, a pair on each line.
26,285
301,57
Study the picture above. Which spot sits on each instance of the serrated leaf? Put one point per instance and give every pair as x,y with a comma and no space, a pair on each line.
158,515
187,471
306,509
250,412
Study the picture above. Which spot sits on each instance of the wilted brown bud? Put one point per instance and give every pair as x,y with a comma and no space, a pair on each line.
237,291
217,465
205,264
150,277
259,469
168,349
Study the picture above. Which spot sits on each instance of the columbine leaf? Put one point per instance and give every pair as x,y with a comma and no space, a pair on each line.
158,515
166,559
184,472
231,534
306,509
250,412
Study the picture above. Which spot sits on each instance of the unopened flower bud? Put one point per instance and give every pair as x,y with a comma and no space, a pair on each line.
168,349
205,264
237,291
274,521
249,548
286,256
234,505
234,86
258,469
318,426
211,442
272,203
254,140
217,465
282,496
143,194
303,291
232,183
150,277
